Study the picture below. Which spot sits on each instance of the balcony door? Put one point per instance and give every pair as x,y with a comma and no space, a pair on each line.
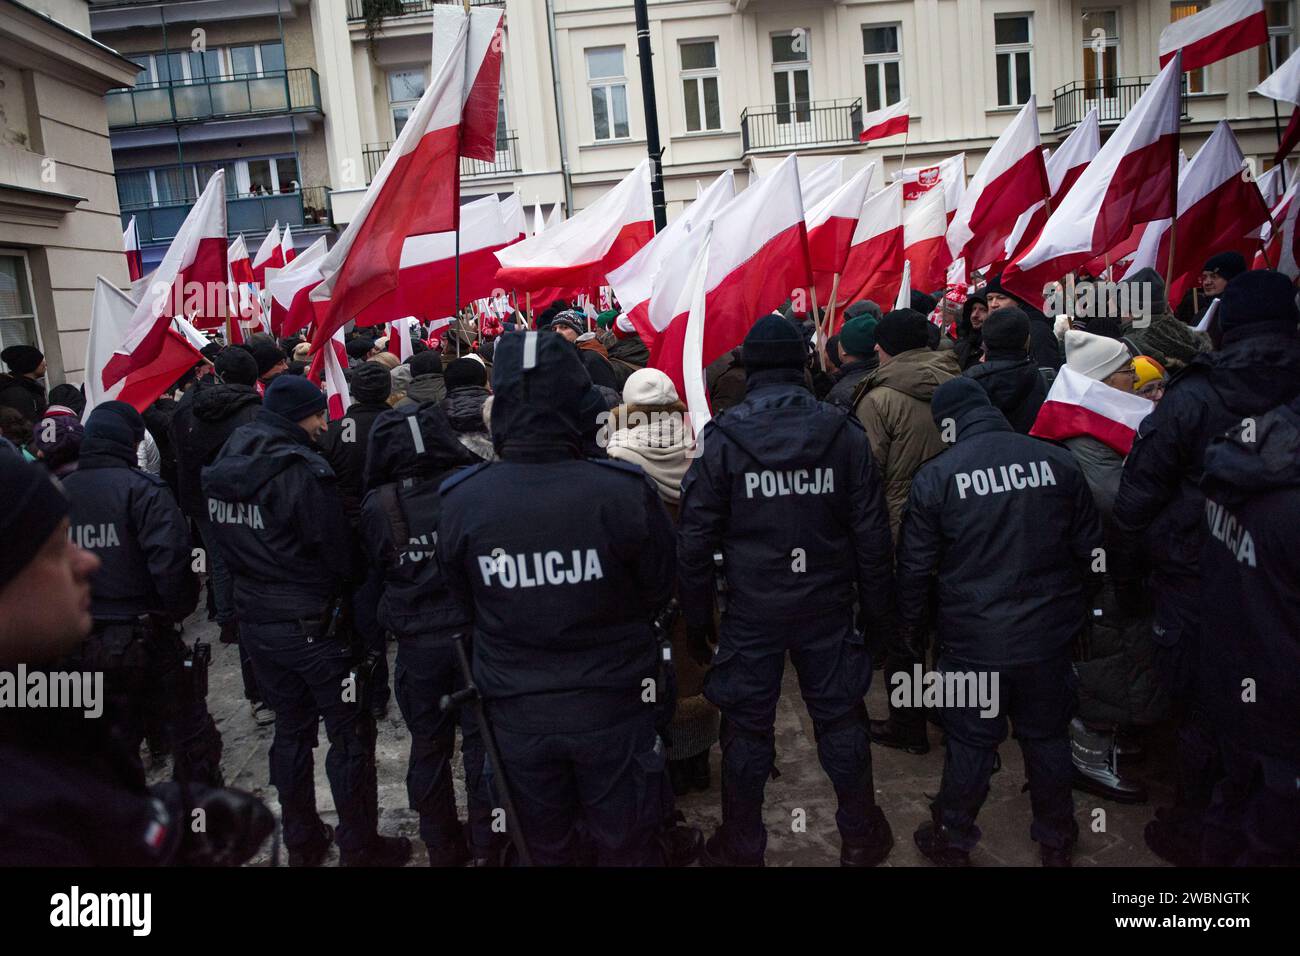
1101,63
792,85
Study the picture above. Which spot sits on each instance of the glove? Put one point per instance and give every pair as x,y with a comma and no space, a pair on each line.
700,642
235,824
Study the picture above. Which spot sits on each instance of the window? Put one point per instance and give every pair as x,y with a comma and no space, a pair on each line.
17,314
1100,39
405,87
503,134
1013,50
1279,36
1195,79
180,185
882,56
700,85
791,76
608,92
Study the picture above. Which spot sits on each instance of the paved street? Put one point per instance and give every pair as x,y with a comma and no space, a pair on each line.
903,785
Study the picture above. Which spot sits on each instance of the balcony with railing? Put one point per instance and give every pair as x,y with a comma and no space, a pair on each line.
506,161
227,97
303,209
373,11
801,123
1112,96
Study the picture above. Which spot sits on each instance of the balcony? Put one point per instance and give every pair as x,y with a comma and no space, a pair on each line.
310,207
801,123
506,162
1113,98
160,104
374,11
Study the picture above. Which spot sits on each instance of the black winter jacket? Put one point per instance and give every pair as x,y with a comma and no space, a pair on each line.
205,417
845,381
344,447
24,394
1015,388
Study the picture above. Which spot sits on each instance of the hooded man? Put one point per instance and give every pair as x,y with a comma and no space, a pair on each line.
21,389
996,492
785,488
970,340
466,392
1014,384
561,563
428,383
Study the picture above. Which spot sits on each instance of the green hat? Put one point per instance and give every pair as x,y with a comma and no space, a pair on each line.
606,318
858,336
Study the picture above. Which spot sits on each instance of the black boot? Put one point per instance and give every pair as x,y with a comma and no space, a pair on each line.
385,851
314,853
700,776
679,843
875,849
679,776
713,853
889,734
933,839
229,633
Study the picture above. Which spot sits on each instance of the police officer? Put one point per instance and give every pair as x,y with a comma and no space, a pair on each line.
278,519
145,587
412,450
1009,525
787,490
562,563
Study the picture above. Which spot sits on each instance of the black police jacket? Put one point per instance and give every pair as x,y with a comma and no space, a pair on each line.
278,519
1010,527
1250,583
205,417
785,486
130,520
1159,493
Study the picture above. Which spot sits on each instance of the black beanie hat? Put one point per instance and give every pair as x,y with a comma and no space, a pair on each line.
115,422
425,363
902,330
360,347
266,354
293,398
1262,299
464,372
370,382
957,396
1229,265
22,359
923,303
33,507
237,366
773,342
1006,330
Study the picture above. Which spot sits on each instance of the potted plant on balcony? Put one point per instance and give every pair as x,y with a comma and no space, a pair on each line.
374,11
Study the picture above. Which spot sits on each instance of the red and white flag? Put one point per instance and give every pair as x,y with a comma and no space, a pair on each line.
399,338
269,255
950,173
290,290
758,254
131,246
821,182
1281,251
287,251
111,312
1217,32
1132,180
190,281
890,121
924,245
539,221
1011,179
415,192
328,364
1064,167
483,49
832,222
240,266
512,214
1077,405
634,280
874,264
1283,84
586,247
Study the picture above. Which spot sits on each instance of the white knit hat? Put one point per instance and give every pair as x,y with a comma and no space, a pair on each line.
1095,356
649,386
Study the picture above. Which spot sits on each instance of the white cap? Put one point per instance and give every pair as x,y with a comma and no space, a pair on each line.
649,386
1095,356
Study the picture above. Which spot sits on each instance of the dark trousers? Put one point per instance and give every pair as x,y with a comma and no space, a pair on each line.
303,679
365,618
1254,814
607,782
426,670
834,671
1039,700
221,587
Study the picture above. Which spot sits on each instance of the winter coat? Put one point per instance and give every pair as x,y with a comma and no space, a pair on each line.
278,518
130,520
627,355
656,438
597,364
845,379
431,387
1044,348
464,410
726,380
1008,524
893,404
778,471
344,447
969,340
205,417
1250,586
1167,340
157,420
25,395
1015,388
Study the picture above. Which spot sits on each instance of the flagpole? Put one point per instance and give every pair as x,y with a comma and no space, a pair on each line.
456,263
903,162
1277,117
1169,267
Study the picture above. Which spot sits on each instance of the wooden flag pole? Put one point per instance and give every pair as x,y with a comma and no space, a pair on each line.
821,344
830,308
902,165
528,307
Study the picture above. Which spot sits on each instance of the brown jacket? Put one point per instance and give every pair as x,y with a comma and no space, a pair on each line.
893,404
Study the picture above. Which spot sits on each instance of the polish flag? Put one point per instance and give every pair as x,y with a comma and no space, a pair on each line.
821,182
874,264
131,246
514,217
1010,180
287,251
1077,405
269,255
111,315
290,290
890,121
1132,180
399,338
1219,209
1283,84
1216,33
190,281
415,192
1064,167
924,246
241,268
831,224
482,83
245,303
1282,252
951,173
583,249
758,254
328,364
634,280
